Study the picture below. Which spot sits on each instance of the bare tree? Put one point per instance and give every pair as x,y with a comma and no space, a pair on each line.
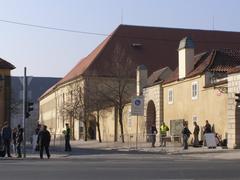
95,104
73,106
121,85
83,100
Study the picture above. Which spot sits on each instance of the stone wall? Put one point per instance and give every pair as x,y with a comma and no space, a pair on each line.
233,114
154,93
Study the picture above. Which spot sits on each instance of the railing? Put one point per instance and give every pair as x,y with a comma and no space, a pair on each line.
143,141
57,140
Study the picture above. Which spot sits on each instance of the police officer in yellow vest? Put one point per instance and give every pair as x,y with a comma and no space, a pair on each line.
163,133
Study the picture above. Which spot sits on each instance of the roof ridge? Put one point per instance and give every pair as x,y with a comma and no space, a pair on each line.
103,48
81,61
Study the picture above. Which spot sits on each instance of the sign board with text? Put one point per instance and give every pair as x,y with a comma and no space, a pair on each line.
137,108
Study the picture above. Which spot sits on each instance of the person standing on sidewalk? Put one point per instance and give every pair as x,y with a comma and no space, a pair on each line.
154,132
14,143
43,141
163,133
186,134
195,134
19,139
6,136
35,138
67,138
207,128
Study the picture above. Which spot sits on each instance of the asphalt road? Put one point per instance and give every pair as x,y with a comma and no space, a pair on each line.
119,167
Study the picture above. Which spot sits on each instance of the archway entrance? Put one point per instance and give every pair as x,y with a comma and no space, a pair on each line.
151,117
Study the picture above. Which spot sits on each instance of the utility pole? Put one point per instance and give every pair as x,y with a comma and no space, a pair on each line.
24,110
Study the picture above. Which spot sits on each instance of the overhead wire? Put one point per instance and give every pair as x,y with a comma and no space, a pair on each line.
53,28
106,35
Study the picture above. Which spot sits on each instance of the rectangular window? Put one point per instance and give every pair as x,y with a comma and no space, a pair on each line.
170,96
194,90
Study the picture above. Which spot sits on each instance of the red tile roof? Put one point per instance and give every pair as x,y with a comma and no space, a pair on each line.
155,47
223,60
6,65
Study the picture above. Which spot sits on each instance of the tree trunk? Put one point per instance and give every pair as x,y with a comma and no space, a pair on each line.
85,130
98,128
115,124
73,129
120,113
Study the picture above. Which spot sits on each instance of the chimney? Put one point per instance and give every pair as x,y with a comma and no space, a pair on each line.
142,75
185,57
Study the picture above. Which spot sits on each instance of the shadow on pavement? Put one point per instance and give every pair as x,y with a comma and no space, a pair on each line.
78,151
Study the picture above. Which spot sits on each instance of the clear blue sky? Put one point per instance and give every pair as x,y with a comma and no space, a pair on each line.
54,53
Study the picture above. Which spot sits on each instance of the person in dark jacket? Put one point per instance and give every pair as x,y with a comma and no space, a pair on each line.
207,128
67,138
19,139
195,134
6,136
43,141
186,134
154,132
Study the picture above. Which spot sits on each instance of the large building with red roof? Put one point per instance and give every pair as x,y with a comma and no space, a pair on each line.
155,47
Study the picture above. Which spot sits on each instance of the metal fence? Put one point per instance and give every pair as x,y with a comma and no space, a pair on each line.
143,141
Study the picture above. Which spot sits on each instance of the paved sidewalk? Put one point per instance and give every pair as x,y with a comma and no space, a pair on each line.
144,147
201,152
94,149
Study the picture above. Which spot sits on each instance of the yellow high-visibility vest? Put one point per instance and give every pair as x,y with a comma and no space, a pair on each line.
163,129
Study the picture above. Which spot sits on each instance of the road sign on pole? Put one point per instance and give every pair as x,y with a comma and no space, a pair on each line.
137,108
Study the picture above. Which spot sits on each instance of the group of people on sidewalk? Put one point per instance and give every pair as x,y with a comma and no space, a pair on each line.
163,133
14,137
41,141
44,138
10,137
185,134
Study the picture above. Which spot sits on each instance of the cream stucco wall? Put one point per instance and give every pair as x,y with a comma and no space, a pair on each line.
129,124
48,112
210,105
50,107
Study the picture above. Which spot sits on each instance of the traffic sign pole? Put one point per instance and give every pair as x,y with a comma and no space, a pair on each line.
137,134
24,110
137,109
